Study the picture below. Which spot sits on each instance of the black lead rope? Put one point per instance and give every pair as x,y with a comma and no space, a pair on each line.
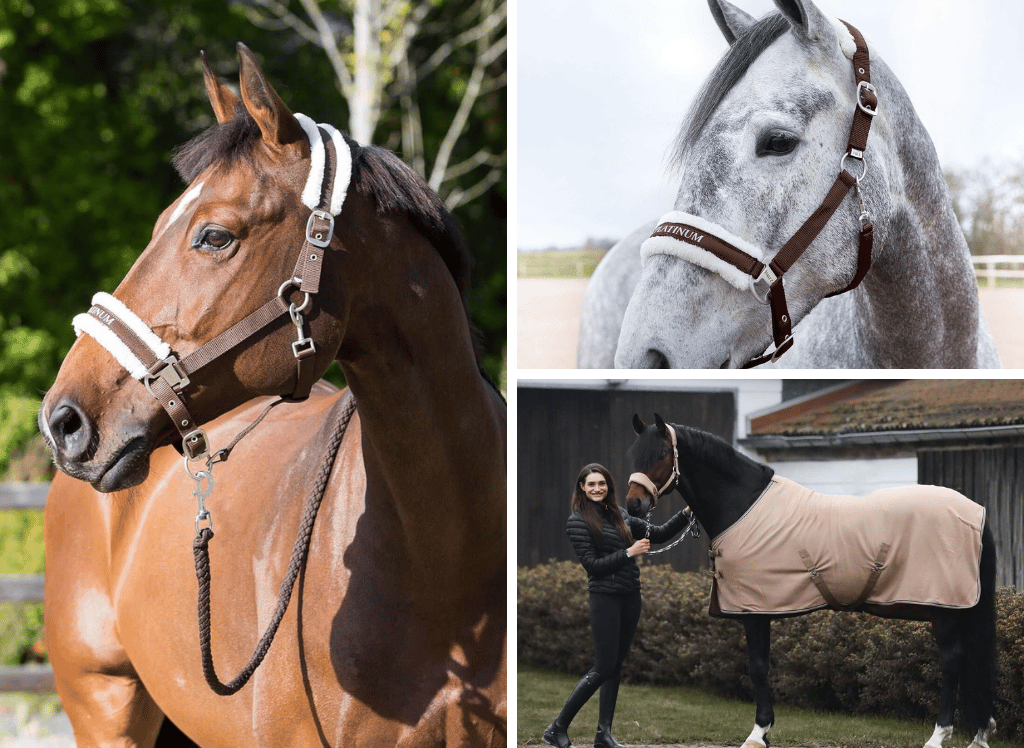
300,552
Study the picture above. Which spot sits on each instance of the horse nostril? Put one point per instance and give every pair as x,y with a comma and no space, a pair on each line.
70,429
655,359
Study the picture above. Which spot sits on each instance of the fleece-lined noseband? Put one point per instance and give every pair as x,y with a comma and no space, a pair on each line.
150,360
743,265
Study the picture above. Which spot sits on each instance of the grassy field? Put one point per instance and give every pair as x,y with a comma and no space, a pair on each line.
649,715
578,263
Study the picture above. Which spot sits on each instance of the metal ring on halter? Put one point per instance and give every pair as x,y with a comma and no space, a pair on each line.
863,164
766,277
294,283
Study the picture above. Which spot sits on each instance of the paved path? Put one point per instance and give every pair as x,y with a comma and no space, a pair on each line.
549,311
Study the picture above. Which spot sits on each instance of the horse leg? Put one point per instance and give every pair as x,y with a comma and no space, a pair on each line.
978,633
758,629
946,629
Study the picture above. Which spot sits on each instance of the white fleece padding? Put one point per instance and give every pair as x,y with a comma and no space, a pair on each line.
86,323
311,192
343,173
846,42
666,245
131,319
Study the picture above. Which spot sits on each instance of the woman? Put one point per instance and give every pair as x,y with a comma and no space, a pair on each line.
607,547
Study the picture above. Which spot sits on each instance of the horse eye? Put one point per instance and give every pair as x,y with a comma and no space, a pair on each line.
776,143
213,238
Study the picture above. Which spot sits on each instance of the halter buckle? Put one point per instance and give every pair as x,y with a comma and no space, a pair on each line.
861,88
169,370
317,234
782,348
766,278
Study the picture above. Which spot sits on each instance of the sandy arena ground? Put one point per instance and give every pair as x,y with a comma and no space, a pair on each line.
549,310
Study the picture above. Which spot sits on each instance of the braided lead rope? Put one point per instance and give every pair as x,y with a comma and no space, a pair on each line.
690,530
300,551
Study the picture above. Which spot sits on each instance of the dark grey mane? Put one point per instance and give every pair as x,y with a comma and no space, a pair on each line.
737,60
376,173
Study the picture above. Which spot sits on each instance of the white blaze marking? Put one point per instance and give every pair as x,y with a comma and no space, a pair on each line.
185,201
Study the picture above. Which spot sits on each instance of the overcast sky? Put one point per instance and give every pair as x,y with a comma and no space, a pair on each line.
604,84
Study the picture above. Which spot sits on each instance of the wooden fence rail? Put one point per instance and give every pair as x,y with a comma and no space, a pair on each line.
24,588
985,267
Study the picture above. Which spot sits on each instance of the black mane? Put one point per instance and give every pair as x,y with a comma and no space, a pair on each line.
376,173
733,65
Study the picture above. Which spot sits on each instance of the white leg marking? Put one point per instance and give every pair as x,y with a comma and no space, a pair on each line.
940,734
981,739
756,739
185,201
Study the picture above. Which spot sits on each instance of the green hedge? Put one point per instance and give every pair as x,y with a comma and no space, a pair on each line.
850,662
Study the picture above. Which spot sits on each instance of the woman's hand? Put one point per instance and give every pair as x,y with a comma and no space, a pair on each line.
639,548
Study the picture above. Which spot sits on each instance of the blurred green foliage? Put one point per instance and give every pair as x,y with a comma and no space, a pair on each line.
95,95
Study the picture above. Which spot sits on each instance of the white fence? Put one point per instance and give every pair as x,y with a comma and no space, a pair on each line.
1011,266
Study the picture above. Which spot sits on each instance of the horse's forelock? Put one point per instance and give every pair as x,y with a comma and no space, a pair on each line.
225,142
730,69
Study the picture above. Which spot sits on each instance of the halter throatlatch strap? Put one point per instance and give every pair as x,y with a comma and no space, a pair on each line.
743,265
151,361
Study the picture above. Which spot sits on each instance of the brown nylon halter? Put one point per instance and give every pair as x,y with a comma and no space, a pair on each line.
168,377
770,275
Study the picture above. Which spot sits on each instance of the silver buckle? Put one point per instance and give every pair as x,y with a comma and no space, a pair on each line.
865,86
768,278
303,348
318,239
777,353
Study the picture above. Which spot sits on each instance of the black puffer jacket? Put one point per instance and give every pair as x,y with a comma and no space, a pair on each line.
609,569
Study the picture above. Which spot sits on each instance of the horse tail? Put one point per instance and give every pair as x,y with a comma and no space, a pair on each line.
978,634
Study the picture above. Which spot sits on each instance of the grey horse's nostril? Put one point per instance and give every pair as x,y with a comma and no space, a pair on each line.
655,359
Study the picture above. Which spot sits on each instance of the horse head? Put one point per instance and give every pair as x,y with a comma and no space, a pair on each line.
225,249
654,459
763,143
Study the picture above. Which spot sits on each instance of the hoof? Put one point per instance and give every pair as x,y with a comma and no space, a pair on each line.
754,744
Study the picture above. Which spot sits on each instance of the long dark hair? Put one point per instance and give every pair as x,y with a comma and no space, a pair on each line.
593,512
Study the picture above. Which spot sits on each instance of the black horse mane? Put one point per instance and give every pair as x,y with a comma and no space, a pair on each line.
376,173
701,446
730,69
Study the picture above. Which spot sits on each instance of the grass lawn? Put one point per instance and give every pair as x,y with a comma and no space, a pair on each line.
649,715
578,263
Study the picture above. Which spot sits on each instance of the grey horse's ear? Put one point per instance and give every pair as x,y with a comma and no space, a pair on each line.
638,425
807,21
731,20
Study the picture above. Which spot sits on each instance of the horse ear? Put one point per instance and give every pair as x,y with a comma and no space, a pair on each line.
638,425
731,20
805,18
659,422
222,98
276,121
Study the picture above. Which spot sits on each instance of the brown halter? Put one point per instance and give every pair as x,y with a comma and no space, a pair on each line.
769,276
167,377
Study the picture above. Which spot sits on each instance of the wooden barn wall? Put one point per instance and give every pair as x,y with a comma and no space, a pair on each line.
993,477
561,430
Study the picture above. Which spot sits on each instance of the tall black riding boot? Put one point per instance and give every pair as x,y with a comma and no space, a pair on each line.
609,695
557,732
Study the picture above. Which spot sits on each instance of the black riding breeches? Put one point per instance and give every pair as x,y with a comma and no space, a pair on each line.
613,620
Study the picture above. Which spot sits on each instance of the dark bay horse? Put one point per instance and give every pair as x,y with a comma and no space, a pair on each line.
734,498
396,632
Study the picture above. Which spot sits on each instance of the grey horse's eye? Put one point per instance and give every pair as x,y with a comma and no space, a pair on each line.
776,143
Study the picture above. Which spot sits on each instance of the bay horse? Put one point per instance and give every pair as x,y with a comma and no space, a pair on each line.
758,152
779,550
397,631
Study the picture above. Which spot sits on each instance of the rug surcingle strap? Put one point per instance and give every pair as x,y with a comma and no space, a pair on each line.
869,585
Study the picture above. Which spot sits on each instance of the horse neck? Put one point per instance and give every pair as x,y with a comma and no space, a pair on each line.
721,491
921,289
432,428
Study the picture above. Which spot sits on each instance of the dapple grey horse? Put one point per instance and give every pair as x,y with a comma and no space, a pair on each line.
759,149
